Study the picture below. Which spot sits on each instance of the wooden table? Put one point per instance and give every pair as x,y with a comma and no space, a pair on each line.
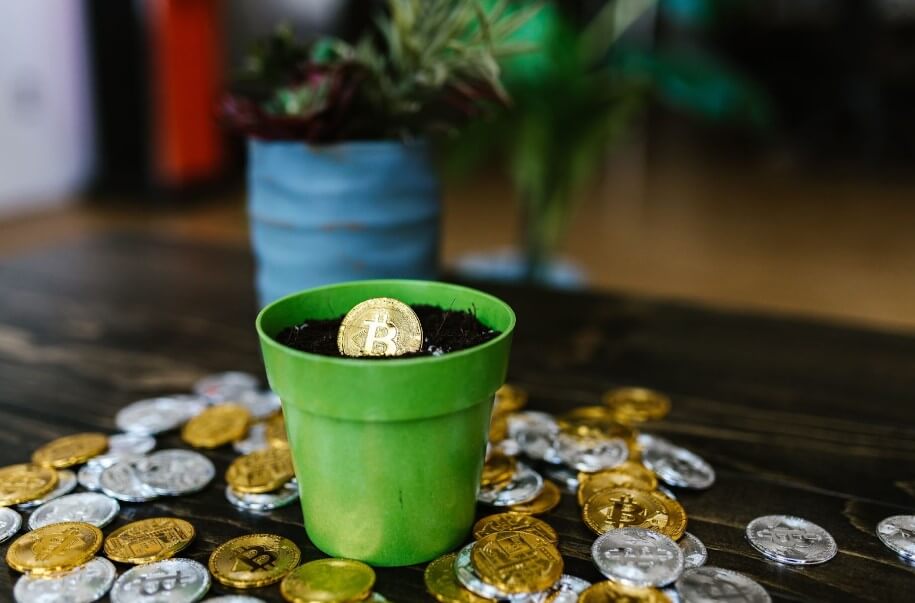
800,418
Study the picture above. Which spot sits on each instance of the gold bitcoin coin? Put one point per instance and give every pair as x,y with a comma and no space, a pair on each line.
149,540
517,562
442,583
509,398
24,482
615,592
638,471
584,424
545,502
328,580
621,507
498,427
676,517
261,471
57,547
514,522
380,327
276,430
637,404
254,560
591,483
498,469
70,450
217,426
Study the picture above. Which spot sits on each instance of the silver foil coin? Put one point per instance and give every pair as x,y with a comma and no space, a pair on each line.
898,534
260,503
10,522
66,481
122,481
175,471
675,466
566,590
261,404
469,578
225,387
233,599
694,551
255,440
524,486
566,478
167,581
534,433
87,507
591,455
637,556
791,540
126,444
156,415
84,584
671,593
709,584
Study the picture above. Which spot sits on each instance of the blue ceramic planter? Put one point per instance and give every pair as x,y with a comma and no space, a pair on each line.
342,212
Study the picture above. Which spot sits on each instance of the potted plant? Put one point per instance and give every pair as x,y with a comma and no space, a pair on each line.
340,181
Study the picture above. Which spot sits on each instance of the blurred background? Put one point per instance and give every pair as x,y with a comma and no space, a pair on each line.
766,164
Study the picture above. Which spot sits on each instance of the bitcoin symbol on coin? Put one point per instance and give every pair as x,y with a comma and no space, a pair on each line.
380,332
380,327
253,558
56,544
157,583
624,512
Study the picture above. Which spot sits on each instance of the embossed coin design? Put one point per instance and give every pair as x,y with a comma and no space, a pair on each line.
623,507
70,450
155,415
638,556
66,481
261,471
591,454
791,540
470,579
517,562
83,584
122,481
694,551
590,484
175,472
259,503
217,426
24,482
524,486
498,469
546,501
612,592
54,548
380,327
535,433
253,560
898,534
442,583
166,581
676,466
328,580
514,522
10,522
637,404
149,540
87,507
708,584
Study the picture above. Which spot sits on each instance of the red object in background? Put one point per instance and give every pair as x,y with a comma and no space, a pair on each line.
186,68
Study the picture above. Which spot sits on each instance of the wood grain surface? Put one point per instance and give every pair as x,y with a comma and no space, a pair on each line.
801,418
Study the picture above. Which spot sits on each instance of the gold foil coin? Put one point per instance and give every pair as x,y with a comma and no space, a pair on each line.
217,426
261,471
254,560
498,469
498,427
676,517
149,540
509,398
70,450
637,404
595,423
442,583
54,548
590,484
380,327
517,562
328,581
24,482
545,502
514,522
621,507
276,430
615,592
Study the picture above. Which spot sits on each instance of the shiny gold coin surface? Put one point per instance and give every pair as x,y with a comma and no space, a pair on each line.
149,540
676,517
276,430
254,560
637,404
327,581
498,469
380,327
70,450
217,426
517,562
24,482
638,471
509,398
622,507
615,592
591,483
514,522
442,583
498,427
54,548
261,471
546,501
584,423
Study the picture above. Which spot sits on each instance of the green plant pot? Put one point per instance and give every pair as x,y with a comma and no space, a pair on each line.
387,453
